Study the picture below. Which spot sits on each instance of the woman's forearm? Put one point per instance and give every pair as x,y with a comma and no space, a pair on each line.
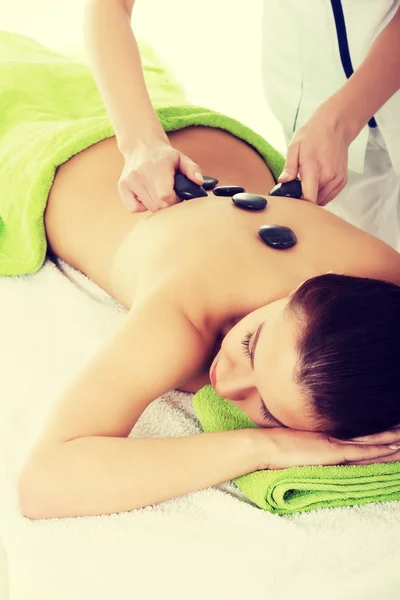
116,65
102,475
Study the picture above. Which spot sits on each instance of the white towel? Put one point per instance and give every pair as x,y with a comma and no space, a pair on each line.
211,544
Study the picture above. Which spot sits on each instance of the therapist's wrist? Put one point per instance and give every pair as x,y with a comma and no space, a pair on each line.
345,114
129,144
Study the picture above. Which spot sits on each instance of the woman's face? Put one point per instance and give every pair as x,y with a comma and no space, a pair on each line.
267,374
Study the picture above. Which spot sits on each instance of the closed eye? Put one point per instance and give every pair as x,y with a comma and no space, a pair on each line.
266,415
246,344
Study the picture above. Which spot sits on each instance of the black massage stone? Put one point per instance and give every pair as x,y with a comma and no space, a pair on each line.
290,189
209,182
277,236
186,189
249,201
228,190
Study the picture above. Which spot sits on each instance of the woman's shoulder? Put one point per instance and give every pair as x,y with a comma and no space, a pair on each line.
374,258
188,292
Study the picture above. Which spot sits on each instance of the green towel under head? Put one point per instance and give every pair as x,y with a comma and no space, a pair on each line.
51,109
299,489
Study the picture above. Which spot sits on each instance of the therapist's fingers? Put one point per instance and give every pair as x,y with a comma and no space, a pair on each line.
330,190
129,198
309,175
134,195
291,167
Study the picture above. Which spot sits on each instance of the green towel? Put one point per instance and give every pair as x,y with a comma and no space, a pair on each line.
51,109
299,489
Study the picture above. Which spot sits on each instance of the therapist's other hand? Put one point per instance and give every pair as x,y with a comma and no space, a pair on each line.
147,179
318,153
282,448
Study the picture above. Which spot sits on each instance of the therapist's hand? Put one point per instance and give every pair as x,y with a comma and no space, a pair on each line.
318,153
147,179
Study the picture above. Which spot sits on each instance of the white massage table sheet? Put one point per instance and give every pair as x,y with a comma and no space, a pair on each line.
209,544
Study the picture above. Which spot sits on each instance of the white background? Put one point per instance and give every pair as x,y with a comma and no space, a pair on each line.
213,47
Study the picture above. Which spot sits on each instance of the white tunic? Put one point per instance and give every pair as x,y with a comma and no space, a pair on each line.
302,67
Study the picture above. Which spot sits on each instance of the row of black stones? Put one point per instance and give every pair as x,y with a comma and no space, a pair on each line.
278,237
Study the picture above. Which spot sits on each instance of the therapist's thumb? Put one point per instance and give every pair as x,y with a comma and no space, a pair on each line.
291,167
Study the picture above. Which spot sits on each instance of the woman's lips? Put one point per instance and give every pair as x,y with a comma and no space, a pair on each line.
213,378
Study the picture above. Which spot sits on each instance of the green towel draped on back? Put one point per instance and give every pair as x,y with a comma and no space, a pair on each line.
51,109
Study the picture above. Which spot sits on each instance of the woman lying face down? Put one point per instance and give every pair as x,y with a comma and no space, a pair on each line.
325,359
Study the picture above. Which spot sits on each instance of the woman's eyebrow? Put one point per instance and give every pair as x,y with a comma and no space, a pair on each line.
252,351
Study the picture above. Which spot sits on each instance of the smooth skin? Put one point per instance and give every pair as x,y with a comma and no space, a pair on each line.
195,279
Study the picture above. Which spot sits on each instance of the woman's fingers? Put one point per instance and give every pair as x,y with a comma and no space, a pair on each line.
390,436
372,454
364,452
386,459
281,448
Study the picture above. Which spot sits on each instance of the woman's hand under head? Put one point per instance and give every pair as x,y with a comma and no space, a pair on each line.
285,448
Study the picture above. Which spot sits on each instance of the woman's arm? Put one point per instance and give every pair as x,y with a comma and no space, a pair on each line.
83,465
117,69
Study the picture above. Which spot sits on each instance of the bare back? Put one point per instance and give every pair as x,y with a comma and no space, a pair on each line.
211,251
206,249
186,274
